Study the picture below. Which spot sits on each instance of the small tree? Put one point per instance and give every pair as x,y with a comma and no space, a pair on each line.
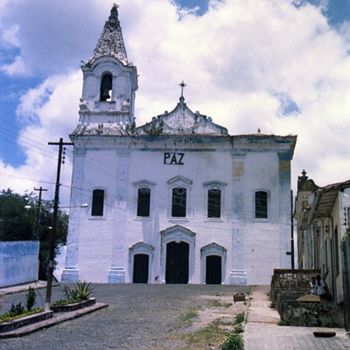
18,223
31,298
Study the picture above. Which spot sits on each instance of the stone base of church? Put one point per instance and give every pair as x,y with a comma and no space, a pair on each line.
70,275
238,277
116,275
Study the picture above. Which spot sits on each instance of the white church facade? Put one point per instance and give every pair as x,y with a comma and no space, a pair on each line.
177,200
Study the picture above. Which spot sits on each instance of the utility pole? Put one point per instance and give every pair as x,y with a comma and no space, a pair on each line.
52,241
37,221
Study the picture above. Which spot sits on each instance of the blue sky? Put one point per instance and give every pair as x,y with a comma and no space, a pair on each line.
41,47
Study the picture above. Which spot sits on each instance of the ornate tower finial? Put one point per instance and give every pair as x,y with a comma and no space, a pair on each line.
111,41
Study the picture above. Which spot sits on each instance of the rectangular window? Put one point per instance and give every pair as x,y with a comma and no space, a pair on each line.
97,202
178,208
214,203
261,205
143,201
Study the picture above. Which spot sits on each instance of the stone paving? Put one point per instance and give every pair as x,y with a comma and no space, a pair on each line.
263,333
138,317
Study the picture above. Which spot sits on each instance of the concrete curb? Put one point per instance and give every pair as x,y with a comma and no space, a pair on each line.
56,318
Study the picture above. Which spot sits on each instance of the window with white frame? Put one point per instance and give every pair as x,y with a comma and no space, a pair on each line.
179,187
143,201
97,202
178,203
214,198
143,198
214,203
261,204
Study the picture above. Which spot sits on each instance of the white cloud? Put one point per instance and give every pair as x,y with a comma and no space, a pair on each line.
47,113
242,61
17,67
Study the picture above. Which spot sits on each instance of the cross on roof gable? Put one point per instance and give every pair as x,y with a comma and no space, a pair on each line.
181,120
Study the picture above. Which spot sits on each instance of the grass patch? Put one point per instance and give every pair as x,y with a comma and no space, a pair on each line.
187,318
6,317
234,341
218,303
205,338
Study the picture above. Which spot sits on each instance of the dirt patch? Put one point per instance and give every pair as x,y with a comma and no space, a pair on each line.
218,309
210,323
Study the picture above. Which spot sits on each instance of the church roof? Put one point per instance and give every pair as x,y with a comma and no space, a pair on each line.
111,41
181,121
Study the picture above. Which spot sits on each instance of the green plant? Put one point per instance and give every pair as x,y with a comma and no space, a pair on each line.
187,318
16,310
31,298
82,291
239,318
238,328
283,323
234,341
9,317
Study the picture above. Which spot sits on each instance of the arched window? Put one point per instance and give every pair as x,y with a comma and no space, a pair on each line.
106,87
261,199
214,203
97,202
143,201
178,208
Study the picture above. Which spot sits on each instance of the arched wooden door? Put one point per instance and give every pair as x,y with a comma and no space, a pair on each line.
177,262
140,272
213,269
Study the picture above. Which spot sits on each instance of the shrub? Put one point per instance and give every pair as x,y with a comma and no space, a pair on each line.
16,310
238,328
234,341
31,298
239,318
81,291
9,317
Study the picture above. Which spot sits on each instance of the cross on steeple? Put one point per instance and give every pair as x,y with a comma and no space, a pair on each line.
183,85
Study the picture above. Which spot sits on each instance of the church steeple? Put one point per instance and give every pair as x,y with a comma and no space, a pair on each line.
111,41
110,81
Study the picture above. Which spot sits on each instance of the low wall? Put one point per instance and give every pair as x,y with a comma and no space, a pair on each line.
18,262
309,314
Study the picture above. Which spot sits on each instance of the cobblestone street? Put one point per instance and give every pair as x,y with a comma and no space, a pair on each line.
138,317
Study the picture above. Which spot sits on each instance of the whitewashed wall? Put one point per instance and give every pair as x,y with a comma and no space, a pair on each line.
18,262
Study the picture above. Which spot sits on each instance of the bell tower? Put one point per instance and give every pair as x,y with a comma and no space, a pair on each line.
110,82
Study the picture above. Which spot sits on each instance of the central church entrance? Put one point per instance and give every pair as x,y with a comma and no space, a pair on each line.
177,262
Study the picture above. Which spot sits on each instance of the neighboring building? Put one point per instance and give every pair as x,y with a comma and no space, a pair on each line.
322,215
177,200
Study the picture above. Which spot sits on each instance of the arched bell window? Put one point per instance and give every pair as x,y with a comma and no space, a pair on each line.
106,87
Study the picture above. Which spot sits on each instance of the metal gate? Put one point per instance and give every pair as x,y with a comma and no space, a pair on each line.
346,279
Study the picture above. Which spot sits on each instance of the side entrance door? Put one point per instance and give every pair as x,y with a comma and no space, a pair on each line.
213,270
140,273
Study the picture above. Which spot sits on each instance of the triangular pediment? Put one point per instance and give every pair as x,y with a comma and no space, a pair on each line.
181,120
